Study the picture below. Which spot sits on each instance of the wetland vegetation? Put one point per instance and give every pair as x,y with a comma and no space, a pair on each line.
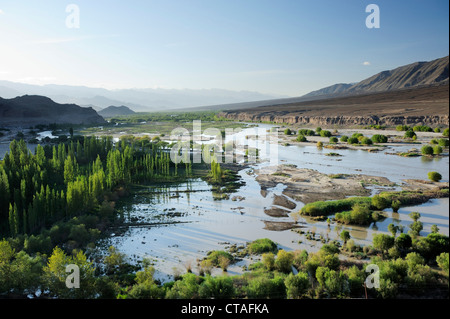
59,203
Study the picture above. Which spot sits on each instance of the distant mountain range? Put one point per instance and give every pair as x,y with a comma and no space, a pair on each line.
31,110
416,74
139,100
111,111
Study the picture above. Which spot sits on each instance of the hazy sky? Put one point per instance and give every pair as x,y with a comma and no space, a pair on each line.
279,47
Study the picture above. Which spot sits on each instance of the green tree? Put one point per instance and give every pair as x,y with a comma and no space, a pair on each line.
393,229
296,285
434,176
283,262
383,242
345,235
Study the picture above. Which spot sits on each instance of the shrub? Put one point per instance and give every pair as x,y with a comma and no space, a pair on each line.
268,260
383,242
437,130
443,142
401,128
306,132
413,259
217,288
263,245
333,139
434,176
378,138
403,242
396,204
345,235
301,138
322,208
296,285
432,245
344,138
287,131
409,134
325,133
319,144
427,150
352,140
422,128
283,262
434,141
186,288
262,287
379,202
445,132
356,278
437,150
220,258
442,261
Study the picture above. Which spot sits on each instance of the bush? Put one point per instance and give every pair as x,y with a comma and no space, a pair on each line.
437,150
442,261
437,130
344,138
403,242
333,139
445,133
296,285
379,202
434,176
401,128
301,138
325,133
268,260
432,246
434,141
443,142
396,204
217,288
319,144
287,131
283,262
427,150
422,128
383,242
409,134
413,259
219,258
306,132
263,245
262,287
322,208
378,138
352,140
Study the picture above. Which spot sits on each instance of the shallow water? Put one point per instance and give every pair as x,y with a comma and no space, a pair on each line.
182,223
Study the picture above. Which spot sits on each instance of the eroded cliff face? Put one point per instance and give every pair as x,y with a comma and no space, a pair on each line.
430,120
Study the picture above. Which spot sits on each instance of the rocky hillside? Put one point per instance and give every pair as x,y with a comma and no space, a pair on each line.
414,106
111,111
30,110
412,75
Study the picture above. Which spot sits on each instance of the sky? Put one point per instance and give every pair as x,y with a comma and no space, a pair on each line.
282,47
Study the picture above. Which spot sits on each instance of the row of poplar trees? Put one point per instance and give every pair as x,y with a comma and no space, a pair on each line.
69,179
